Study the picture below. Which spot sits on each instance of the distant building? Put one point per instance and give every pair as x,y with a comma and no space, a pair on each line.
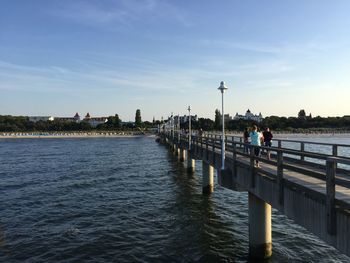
41,118
69,119
92,121
227,118
249,116
183,119
77,117
95,121
87,117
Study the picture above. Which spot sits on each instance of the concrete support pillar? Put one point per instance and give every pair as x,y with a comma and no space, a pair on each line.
191,164
174,148
182,155
177,150
260,241
208,178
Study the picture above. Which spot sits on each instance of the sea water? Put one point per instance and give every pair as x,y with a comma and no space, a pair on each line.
126,200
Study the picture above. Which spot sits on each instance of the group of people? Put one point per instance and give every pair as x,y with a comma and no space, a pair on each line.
254,137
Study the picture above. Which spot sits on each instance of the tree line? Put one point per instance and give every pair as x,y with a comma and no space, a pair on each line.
23,124
302,123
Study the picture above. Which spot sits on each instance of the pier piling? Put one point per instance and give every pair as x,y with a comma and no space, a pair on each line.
182,155
191,164
208,178
260,240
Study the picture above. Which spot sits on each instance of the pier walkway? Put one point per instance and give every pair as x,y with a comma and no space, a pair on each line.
309,182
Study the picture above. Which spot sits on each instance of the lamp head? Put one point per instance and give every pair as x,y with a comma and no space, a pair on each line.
222,87
189,108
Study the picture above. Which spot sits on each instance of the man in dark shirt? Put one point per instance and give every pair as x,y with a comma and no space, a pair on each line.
268,140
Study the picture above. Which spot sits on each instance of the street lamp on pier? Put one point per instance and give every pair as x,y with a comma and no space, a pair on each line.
178,128
189,127
172,126
222,88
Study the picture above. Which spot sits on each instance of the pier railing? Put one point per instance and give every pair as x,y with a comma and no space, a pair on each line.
322,167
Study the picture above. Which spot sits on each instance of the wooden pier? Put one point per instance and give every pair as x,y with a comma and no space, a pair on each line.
311,187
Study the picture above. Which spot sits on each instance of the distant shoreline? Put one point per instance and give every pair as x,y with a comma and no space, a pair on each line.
62,135
72,135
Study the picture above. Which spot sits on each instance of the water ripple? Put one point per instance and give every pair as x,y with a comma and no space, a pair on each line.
126,200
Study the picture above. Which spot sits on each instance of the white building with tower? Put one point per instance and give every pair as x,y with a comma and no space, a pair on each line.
249,116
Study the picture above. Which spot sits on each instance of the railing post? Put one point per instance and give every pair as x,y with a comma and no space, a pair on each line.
335,153
207,148
234,157
234,148
279,144
214,141
302,149
201,146
335,150
194,143
252,167
280,177
330,197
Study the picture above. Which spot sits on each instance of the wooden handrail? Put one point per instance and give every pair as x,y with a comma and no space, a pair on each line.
339,160
302,154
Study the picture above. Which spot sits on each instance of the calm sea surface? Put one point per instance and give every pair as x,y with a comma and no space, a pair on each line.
127,200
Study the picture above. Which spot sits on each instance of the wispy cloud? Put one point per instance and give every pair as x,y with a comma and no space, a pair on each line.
267,84
281,48
120,14
148,76
96,79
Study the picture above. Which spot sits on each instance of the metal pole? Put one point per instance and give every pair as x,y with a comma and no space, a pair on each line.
189,127
172,126
178,128
222,88
223,134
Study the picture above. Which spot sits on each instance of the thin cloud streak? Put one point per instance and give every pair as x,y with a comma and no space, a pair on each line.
158,77
123,14
279,49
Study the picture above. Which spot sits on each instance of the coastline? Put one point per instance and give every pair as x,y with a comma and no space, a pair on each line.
72,135
62,135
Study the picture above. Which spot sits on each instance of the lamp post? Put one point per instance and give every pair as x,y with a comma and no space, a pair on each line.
178,128
172,126
222,88
189,127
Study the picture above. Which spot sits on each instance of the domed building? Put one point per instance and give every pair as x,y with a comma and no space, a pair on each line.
249,116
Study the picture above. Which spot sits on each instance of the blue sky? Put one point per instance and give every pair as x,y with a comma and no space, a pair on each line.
59,57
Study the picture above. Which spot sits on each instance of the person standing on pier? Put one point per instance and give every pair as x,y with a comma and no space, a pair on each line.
246,140
255,140
268,140
200,132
